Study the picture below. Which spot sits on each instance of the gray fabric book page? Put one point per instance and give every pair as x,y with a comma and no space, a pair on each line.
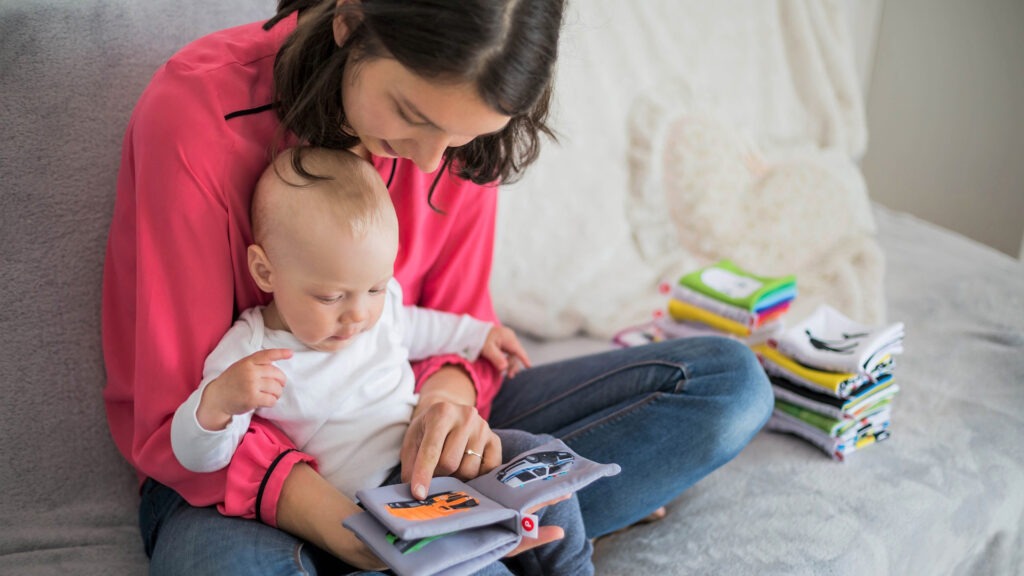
451,505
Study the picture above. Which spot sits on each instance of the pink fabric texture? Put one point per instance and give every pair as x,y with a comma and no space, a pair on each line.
176,273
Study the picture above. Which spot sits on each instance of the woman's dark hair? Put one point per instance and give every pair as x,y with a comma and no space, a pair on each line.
506,48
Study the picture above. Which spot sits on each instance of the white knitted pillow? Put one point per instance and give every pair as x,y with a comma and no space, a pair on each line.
702,190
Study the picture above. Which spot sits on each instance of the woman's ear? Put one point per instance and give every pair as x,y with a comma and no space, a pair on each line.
341,28
260,269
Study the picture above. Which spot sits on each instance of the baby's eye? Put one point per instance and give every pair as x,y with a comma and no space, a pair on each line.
375,291
330,299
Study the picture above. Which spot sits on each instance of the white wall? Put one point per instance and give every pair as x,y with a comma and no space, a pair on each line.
864,17
945,114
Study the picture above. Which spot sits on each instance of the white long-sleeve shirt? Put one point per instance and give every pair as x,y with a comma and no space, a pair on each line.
349,409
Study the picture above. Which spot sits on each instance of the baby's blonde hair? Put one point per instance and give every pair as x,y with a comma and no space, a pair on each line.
347,192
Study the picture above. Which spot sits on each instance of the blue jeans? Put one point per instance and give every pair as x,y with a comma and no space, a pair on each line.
182,539
667,413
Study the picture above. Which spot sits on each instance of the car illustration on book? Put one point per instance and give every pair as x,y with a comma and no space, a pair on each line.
536,466
434,506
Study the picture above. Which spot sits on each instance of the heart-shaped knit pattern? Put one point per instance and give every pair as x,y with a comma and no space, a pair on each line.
703,190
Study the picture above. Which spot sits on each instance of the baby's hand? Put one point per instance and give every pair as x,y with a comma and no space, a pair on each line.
252,382
503,350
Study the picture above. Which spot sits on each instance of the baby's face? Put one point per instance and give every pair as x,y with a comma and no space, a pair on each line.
329,292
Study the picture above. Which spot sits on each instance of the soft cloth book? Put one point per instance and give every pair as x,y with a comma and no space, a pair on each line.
463,526
686,312
865,432
727,282
839,384
884,388
829,340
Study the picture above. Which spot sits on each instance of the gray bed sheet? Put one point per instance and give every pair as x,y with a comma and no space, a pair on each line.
944,495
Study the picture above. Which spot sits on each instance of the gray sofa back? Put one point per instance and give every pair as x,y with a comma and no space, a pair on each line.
70,73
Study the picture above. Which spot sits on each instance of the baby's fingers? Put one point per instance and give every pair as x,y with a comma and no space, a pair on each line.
494,355
511,345
270,355
514,349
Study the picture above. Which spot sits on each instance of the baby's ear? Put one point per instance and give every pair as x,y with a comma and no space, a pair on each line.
260,269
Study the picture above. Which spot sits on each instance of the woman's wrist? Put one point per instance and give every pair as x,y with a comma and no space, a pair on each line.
451,383
312,509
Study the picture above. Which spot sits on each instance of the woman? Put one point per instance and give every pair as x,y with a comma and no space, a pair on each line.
443,98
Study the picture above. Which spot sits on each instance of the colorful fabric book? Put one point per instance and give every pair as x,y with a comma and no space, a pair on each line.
839,384
837,427
674,329
726,310
855,406
831,341
727,282
686,312
463,526
865,433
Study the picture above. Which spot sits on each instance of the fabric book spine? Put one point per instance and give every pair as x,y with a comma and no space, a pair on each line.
838,383
723,309
684,311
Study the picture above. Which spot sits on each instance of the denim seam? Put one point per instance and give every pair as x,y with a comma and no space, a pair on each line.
613,417
298,558
679,386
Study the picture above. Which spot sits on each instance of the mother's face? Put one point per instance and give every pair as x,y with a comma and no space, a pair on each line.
398,114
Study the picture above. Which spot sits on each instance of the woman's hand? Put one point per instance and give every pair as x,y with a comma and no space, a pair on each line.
444,426
447,436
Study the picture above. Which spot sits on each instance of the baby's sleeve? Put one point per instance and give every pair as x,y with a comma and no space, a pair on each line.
195,447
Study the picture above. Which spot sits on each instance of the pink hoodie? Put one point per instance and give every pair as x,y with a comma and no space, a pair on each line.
176,273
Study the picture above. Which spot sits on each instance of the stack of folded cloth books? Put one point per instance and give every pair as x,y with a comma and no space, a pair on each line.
726,299
721,300
833,380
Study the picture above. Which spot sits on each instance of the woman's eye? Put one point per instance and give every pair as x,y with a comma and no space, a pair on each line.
405,118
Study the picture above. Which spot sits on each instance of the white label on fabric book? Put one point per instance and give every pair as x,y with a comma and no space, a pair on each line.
728,283
528,526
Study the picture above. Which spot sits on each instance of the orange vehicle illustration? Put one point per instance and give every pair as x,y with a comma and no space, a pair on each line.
433,506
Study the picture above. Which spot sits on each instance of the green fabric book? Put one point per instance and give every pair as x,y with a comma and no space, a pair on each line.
727,282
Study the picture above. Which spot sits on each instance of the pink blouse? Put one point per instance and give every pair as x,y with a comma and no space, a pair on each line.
176,273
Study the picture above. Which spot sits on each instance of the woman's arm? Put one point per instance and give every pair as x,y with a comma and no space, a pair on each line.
175,268
312,509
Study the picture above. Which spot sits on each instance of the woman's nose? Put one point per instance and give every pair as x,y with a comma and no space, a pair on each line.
430,151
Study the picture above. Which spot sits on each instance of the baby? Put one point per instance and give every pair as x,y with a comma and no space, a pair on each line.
328,360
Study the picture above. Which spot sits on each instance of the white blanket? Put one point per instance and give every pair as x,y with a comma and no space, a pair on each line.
587,235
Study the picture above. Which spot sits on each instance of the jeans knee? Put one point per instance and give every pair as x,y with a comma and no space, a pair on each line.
744,395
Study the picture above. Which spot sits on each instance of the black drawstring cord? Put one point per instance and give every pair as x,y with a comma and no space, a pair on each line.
394,163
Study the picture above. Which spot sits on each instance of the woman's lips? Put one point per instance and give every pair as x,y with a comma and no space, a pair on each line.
387,148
